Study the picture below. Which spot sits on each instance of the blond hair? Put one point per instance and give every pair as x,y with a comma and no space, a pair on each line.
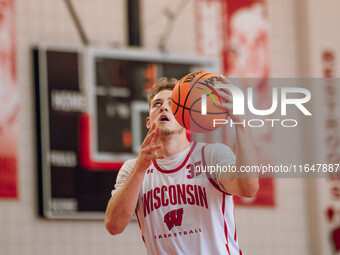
162,84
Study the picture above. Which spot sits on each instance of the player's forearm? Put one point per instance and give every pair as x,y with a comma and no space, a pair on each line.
245,148
246,156
122,205
238,183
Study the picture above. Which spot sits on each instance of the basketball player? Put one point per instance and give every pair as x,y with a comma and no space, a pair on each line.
181,209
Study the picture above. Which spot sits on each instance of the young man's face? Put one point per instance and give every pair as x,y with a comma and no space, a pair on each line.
161,114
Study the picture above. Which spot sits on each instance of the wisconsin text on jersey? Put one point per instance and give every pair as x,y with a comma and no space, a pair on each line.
174,194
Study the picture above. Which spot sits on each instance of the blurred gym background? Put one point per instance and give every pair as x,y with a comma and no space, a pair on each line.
73,75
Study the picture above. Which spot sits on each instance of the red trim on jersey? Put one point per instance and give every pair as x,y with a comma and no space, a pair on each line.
211,180
228,249
235,235
179,167
225,224
139,225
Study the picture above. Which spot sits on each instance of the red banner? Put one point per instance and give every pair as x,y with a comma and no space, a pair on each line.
236,31
246,55
246,51
9,102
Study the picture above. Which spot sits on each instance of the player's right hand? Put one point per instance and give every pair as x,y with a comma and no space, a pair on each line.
149,148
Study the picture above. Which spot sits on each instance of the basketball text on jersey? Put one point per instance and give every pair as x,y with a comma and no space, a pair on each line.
179,233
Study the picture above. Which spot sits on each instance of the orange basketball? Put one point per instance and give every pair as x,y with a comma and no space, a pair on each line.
187,103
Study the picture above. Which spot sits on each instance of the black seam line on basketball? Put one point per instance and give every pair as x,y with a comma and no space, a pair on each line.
185,101
185,108
179,94
192,119
197,111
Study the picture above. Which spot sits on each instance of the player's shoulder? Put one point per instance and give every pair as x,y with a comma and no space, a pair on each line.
130,163
127,166
211,146
213,149
199,145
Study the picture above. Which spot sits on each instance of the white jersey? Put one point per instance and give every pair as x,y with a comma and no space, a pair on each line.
181,211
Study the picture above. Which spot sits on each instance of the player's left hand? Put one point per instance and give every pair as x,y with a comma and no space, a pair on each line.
227,98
